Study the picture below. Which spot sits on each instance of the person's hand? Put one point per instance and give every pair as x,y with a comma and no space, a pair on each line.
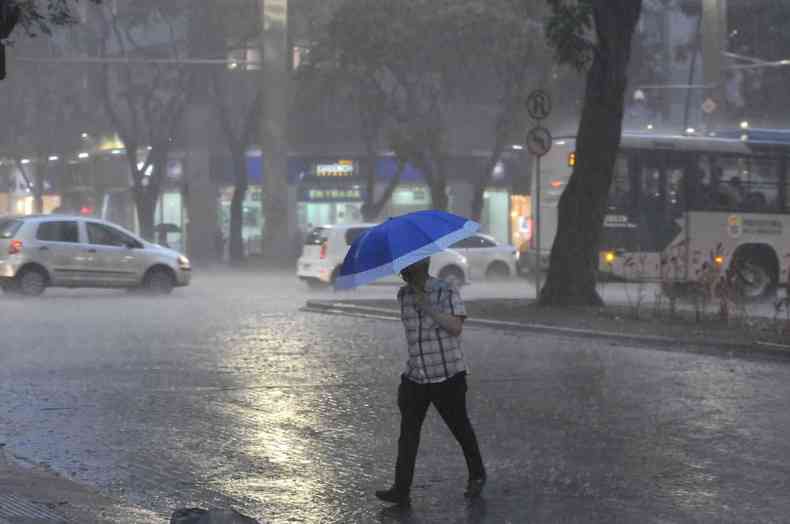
421,302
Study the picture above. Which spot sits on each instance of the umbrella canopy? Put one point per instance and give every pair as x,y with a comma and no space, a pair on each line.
400,242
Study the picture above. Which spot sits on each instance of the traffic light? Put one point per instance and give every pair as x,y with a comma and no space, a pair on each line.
9,16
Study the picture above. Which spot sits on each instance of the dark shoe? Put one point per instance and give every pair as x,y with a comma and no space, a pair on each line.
394,496
474,487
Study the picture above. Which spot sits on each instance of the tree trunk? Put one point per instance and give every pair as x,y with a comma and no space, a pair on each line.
433,168
145,200
369,212
240,187
574,258
372,208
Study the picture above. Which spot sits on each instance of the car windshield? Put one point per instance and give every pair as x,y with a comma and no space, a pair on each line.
8,228
316,237
354,233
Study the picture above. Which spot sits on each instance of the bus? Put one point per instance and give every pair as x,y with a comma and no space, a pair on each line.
681,206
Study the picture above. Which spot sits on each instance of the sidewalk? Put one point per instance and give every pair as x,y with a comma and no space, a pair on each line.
753,334
33,494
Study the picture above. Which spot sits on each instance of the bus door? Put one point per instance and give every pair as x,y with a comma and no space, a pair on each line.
660,197
620,227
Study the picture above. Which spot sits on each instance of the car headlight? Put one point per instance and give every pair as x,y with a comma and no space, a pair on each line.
183,262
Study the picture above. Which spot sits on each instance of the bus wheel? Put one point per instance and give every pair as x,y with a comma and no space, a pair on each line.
755,279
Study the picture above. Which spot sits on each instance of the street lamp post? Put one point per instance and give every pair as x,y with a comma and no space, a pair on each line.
714,38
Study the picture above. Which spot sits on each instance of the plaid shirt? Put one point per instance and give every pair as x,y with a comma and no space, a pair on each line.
434,354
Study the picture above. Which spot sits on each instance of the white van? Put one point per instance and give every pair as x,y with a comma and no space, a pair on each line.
326,246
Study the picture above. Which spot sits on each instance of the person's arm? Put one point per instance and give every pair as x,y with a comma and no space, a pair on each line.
453,324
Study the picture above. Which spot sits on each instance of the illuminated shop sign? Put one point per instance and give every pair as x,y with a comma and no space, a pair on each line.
353,194
342,168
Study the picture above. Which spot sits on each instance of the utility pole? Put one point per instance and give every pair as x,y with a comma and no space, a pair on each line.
275,75
714,43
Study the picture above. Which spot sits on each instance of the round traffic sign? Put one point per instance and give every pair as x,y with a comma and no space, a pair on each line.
539,104
709,105
539,141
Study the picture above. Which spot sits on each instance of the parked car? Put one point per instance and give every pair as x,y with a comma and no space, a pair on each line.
43,251
326,247
488,257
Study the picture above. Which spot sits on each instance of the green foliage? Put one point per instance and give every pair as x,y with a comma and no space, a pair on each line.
568,31
409,58
36,16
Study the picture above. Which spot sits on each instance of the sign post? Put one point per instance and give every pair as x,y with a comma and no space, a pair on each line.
539,141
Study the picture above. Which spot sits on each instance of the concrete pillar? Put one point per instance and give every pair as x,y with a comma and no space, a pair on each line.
202,191
461,193
276,72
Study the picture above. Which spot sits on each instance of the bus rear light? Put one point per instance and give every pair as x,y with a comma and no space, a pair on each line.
556,184
15,247
323,253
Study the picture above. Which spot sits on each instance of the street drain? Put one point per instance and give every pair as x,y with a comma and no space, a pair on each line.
17,509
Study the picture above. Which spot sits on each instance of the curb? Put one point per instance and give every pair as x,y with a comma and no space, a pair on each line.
770,348
32,494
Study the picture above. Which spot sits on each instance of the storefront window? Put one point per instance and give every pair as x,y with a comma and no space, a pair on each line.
251,218
496,210
313,214
407,199
169,219
520,220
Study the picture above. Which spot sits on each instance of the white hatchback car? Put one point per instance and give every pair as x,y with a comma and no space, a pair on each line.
488,257
326,246
41,251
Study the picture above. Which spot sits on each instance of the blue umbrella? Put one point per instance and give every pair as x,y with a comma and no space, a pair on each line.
400,242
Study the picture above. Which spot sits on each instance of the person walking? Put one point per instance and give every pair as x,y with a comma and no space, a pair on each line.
433,315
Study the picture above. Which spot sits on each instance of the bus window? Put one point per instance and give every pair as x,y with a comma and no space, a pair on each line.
676,194
762,185
734,183
740,183
620,195
661,202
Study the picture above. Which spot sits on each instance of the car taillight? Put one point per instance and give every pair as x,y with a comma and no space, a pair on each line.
323,250
15,247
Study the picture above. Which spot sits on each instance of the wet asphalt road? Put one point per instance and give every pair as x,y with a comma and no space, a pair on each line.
225,394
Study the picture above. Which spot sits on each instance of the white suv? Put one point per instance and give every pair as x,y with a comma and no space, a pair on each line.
488,257
326,246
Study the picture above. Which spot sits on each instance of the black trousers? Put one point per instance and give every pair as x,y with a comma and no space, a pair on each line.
449,397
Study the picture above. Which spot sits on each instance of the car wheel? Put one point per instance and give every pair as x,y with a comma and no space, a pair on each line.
159,281
452,275
315,284
497,271
9,288
755,280
31,283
